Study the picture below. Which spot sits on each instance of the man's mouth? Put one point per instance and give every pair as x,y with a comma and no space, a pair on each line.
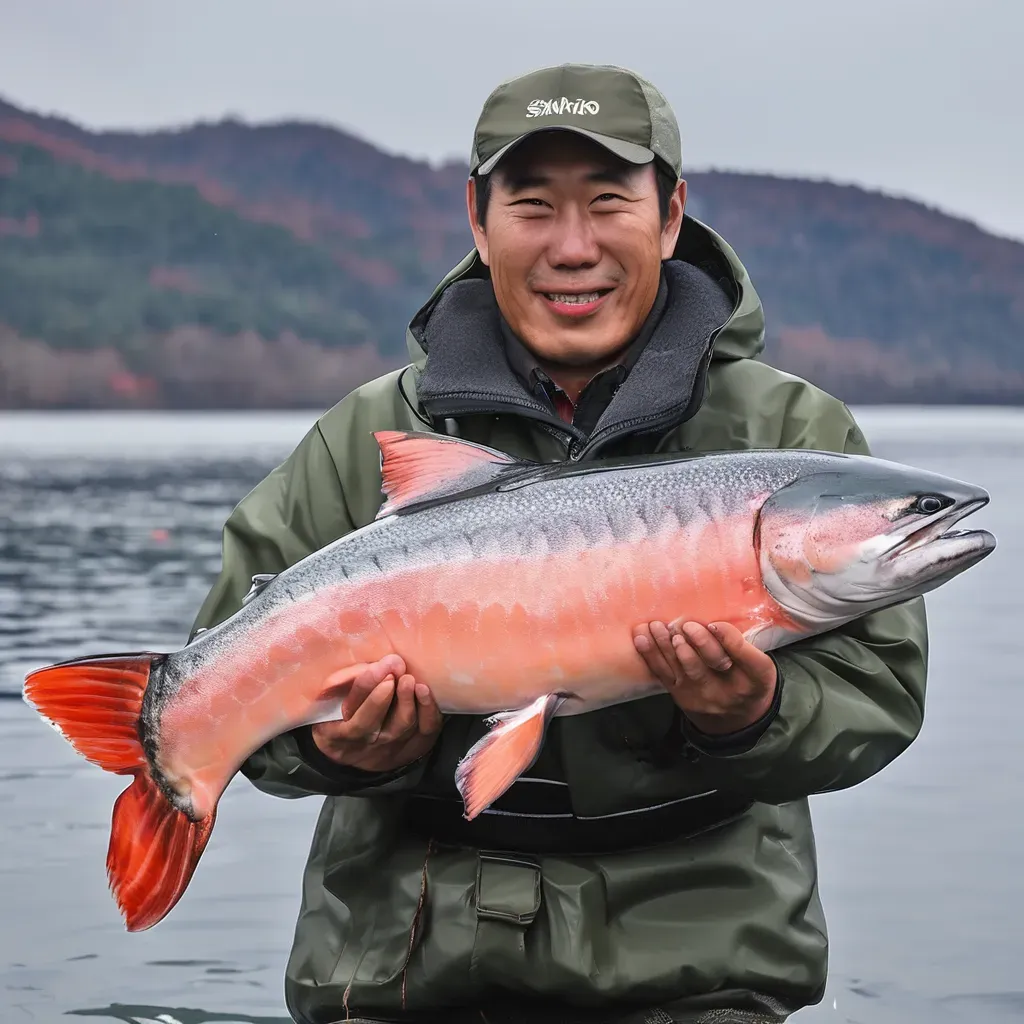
575,303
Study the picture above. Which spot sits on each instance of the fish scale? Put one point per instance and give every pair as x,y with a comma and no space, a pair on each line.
510,589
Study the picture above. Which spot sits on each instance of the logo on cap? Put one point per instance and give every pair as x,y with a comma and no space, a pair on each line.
542,108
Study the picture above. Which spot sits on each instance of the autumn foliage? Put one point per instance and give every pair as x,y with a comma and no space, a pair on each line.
226,265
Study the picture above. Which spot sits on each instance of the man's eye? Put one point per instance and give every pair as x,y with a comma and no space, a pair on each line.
528,202
606,196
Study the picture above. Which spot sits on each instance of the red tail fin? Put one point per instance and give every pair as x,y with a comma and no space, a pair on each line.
96,703
154,849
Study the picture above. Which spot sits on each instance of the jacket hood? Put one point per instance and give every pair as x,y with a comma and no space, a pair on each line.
742,336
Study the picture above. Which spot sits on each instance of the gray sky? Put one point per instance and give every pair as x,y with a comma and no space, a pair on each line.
917,97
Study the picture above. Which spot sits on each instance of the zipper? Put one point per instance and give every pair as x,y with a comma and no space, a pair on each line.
664,422
565,432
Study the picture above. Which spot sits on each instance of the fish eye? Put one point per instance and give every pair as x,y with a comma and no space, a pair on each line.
929,504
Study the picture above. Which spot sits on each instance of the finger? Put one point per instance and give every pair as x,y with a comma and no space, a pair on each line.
361,688
393,664
651,653
663,640
690,662
368,680
752,660
429,717
400,722
366,723
712,653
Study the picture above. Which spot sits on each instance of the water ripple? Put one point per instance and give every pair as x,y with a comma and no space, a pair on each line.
110,539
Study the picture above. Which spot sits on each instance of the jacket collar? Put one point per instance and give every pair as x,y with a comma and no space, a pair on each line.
525,363
466,370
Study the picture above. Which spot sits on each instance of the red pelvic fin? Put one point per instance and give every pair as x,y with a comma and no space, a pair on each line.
498,758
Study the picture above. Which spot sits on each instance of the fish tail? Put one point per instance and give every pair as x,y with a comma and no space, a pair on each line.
96,704
153,852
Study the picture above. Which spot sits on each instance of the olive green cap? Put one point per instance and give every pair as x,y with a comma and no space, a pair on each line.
613,106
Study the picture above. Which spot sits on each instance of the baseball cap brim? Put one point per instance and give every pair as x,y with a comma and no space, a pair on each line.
628,151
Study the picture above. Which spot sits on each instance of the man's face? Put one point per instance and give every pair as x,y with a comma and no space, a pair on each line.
574,242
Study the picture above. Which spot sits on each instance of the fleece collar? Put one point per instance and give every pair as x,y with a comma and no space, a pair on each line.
466,368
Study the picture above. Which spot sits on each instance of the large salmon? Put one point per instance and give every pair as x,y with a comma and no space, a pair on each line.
509,588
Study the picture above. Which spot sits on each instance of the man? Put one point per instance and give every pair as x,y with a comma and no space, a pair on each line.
657,862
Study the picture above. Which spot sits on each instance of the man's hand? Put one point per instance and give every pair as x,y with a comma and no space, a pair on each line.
386,725
721,682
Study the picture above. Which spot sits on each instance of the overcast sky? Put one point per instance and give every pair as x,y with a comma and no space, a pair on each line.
921,98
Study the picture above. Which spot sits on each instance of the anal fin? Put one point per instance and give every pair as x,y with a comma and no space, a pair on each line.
497,759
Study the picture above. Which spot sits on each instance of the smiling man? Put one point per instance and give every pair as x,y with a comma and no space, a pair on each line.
657,862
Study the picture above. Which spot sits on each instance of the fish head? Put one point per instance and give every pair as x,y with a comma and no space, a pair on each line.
857,534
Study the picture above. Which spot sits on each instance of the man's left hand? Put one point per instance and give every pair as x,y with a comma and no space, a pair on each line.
720,681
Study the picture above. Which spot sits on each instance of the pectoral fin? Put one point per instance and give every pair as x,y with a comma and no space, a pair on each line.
496,760
768,636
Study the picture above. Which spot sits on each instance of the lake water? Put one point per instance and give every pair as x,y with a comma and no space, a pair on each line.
109,539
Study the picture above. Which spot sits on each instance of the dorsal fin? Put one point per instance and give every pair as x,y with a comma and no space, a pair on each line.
416,466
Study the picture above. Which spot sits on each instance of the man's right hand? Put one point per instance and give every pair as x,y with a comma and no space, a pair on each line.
385,725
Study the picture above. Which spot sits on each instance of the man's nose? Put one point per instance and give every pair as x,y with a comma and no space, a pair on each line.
573,242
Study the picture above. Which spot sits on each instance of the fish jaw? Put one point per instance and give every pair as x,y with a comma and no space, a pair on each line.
934,553
838,544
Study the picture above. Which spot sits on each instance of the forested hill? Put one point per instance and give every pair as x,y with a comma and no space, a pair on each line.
229,265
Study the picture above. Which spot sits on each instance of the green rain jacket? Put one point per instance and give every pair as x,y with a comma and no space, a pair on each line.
636,868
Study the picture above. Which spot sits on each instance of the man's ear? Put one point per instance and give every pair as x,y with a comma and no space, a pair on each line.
674,221
479,234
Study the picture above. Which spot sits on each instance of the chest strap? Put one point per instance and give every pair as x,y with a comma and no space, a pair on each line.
538,820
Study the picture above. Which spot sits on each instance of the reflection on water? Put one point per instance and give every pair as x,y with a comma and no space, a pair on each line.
109,539
100,555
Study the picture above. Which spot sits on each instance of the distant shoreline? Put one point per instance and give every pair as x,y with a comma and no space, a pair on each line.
179,438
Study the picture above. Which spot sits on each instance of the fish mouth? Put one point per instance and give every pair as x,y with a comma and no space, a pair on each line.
943,541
